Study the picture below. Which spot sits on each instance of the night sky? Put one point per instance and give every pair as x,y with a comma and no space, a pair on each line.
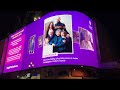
8,22
111,22
110,18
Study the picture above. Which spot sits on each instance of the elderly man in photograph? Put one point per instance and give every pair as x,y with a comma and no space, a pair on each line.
60,25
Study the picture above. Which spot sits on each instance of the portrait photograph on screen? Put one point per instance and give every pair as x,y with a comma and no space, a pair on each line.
86,39
31,44
76,37
40,41
58,36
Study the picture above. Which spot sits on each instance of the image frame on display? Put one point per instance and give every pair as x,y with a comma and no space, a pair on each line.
78,36
44,33
91,36
33,36
40,38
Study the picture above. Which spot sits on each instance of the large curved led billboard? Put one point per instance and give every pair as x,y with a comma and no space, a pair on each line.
58,38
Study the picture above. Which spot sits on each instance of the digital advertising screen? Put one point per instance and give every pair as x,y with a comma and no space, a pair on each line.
57,38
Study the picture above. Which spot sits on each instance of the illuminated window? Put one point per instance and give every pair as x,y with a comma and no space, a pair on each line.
77,73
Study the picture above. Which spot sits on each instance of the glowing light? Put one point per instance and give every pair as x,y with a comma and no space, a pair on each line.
31,63
29,66
35,18
38,17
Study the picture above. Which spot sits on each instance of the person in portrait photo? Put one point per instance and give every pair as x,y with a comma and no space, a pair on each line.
85,43
50,34
40,41
76,37
60,25
50,27
67,40
46,41
58,42
31,45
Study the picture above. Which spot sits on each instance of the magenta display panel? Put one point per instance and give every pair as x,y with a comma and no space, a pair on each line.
73,42
15,51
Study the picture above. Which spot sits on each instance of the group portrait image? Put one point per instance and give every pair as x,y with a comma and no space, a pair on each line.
58,34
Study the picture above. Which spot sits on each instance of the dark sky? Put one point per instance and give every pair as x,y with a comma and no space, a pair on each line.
8,22
111,22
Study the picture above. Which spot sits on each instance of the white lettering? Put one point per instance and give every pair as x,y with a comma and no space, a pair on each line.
14,50
17,34
13,66
12,58
15,42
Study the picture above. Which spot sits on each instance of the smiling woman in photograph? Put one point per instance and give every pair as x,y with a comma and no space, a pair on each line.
86,44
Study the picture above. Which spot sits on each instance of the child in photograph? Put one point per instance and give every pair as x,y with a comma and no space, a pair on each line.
67,41
46,41
58,42
86,44
64,40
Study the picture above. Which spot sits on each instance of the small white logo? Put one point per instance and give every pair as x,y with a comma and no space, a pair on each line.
90,25
90,22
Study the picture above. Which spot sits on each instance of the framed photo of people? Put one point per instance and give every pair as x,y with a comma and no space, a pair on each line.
86,39
58,33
